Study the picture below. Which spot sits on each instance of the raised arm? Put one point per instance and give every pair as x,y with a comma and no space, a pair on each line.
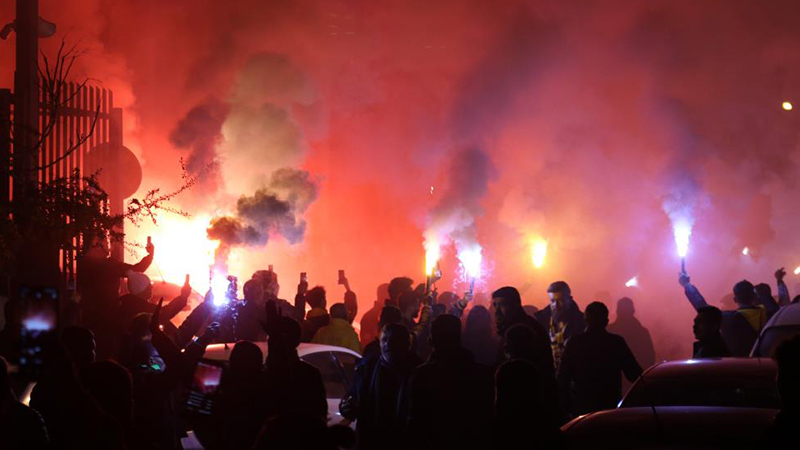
783,291
142,265
692,293
764,295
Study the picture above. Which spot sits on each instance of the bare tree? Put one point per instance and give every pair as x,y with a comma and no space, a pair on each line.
70,210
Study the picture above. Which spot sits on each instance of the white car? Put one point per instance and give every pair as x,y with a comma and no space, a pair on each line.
781,326
336,364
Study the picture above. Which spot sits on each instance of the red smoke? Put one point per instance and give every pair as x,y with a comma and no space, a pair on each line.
593,114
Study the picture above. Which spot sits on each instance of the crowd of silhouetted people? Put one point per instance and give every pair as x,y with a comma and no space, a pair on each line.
436,371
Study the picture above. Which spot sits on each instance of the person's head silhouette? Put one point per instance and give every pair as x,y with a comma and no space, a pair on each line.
596,316
625,308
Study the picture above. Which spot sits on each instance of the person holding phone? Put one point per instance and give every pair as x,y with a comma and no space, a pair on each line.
98,283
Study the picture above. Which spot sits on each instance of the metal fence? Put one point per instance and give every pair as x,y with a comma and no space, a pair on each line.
82,106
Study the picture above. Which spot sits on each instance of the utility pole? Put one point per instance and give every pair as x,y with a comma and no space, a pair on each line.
26,97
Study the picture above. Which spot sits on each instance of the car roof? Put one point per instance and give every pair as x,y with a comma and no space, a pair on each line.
787,315
222,352
714,368
676,424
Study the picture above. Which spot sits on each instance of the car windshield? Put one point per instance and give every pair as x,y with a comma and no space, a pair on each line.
772,337
685,391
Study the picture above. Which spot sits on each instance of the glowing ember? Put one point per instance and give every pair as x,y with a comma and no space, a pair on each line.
538,252
745,251
633,282
182,247
470,258
787,106
682,231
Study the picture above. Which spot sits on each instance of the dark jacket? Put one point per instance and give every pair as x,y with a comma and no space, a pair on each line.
573,325
452,399
544,360
294,386
381,402
589,374
710,348
740,327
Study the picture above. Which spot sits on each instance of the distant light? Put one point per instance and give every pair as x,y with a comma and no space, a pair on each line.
431,190
797,271
745,251
787,106
633,282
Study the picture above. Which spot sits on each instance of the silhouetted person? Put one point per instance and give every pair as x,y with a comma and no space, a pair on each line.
293,385
389,314
589,374
369,321
72,417
251,313
111,386
636,335
338,332
740,327
520,342
98,283
523,416
783,433
706,330
530,310
417,320
378,398
139,300
295,431
317,317
20,426
478,336
237,412
562,320
451,395
397,287
508,312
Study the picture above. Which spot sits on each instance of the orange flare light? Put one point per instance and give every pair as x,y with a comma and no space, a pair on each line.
538,253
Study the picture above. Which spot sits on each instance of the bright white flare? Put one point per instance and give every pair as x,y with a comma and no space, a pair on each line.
633,282
682,230
745,251
470,258
182,246
219,287
787,106
797,271
538,252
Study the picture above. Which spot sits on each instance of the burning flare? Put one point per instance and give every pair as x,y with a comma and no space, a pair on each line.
633,282
538,252
682,230
797,270
471,258
746,251
433,252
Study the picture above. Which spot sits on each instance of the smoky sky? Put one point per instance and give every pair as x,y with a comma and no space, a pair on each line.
596,116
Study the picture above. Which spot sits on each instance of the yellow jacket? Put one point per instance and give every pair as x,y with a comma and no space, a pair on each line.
339,333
